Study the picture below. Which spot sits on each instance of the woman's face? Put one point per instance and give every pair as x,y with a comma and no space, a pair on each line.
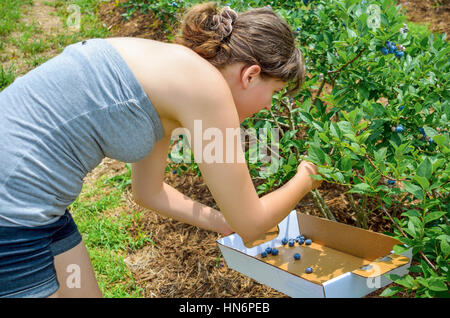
251,93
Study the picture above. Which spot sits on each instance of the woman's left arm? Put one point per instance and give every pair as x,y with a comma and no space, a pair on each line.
151,192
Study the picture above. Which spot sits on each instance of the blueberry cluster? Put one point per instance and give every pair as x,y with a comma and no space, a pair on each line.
423,136
300,239
268,251
391,48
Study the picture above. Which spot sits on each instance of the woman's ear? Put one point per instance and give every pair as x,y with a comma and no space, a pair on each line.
249,74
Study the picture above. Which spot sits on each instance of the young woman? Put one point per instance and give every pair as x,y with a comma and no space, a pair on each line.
122,98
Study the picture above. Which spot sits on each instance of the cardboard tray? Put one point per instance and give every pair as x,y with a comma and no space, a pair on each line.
347,261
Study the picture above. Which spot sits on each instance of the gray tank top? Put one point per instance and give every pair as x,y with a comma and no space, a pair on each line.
60,120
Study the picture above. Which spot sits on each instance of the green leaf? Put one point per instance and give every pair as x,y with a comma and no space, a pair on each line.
360,188
441,141
335,131
430,132
346,163
414,190
380,154
437,284
399,249
391,291
423,182
316,154
432,216
445,247
425,169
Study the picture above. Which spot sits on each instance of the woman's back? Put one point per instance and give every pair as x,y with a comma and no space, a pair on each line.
60,120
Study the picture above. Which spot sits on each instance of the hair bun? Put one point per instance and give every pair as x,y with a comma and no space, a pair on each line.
222,23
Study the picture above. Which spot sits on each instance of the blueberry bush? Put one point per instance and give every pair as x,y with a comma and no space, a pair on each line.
373,115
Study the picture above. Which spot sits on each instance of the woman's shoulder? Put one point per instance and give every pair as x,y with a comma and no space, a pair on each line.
175,78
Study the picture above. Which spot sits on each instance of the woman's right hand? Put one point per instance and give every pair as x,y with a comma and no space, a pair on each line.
305,169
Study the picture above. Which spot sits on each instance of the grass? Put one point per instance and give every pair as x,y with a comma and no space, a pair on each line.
109,238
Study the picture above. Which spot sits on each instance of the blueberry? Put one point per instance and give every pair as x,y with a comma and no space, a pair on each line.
391,182
422,131
174,171
174,4
299,29
301,242
399,128
263,254
291,242
284,241
302,237
388,43
298,238
308,242
384,51
274,251
430,140
401,108
399,54
392,48
268,250
308,270
297,256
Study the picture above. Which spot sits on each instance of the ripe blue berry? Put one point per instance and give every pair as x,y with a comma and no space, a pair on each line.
398,54
399,128
291,242
263,254
391,182
308,242
274,251
284,241
392,48
174,4
268,250
401,108
430,140
384,51
297,256
422,131
308,270
174,171
301,242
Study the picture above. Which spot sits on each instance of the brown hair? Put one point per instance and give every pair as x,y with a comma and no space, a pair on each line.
257,36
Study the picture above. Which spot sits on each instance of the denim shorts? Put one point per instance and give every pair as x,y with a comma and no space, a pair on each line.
26,257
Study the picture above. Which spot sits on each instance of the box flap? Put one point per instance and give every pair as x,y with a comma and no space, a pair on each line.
382,265
355,241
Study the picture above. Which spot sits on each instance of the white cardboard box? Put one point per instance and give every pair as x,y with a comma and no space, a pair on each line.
346,261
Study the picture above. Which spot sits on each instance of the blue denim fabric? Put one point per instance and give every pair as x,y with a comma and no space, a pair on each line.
26,257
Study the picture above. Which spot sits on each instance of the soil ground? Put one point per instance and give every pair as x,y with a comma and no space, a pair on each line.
185,260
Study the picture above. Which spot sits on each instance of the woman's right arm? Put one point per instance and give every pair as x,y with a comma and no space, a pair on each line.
230,183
